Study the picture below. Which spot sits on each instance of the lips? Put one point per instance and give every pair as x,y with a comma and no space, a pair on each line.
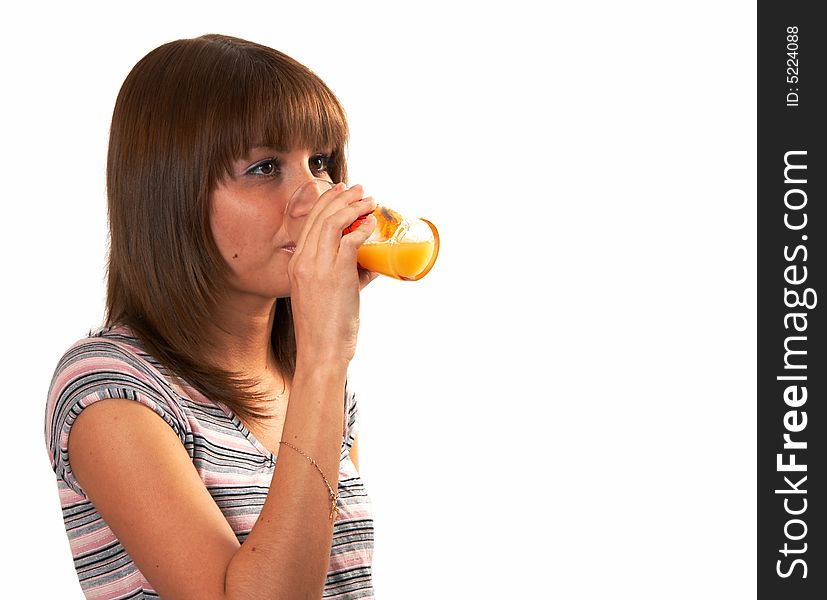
291,248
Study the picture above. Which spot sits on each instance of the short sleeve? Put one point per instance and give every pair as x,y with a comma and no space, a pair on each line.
97,369
351,421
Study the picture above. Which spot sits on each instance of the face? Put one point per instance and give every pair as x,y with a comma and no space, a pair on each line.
247,217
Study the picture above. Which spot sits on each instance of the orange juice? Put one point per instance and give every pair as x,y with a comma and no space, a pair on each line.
403,260
398,247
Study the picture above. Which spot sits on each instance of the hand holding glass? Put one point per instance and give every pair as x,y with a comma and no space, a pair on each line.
400,248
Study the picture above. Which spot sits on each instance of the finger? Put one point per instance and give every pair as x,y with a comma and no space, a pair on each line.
331,231
324,199
320,217
365,277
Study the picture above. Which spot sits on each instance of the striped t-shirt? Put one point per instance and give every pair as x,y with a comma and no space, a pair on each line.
234,466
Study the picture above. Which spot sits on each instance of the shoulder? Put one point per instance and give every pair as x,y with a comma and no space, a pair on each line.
101,349
105,356
107,364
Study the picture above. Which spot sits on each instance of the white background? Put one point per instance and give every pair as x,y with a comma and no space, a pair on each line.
564,407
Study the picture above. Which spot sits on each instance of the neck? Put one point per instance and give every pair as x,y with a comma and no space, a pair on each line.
240,338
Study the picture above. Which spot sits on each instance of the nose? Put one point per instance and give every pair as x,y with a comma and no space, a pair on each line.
301,202
305,196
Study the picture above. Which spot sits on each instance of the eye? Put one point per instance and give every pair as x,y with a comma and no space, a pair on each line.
320,163
267,168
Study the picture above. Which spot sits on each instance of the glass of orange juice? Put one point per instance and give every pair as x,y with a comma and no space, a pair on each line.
401,248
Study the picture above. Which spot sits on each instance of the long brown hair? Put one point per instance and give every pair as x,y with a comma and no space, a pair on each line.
185,112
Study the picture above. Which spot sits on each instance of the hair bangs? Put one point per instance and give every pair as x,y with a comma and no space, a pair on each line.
281,104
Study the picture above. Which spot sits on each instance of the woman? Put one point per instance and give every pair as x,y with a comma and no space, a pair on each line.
203,440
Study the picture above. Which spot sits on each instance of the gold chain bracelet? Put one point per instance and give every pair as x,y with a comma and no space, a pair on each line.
334,496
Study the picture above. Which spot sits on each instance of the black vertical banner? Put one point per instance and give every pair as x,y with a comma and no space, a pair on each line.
792,270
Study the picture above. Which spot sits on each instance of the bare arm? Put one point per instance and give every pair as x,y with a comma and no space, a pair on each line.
289,548
141,480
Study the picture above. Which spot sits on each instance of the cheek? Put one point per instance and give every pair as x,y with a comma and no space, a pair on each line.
226,233
244,234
